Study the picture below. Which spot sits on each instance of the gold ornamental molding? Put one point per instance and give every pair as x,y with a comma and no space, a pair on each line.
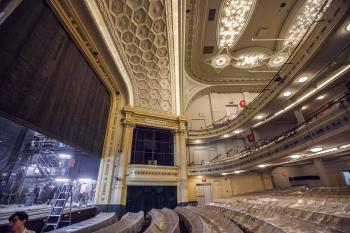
68,16
73,24
152,173
154,119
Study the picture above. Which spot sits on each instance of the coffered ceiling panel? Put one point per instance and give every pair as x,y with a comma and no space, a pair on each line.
140,31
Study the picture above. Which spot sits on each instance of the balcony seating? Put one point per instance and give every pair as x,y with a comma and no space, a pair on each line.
93,224
163,221
213,222
289,210
129,223
296,135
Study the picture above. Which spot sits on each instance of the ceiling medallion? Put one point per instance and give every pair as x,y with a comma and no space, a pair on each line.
307,13
278,60
233,18
221,61
250,60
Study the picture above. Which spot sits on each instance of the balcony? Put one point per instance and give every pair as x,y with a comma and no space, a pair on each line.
335,124
152,173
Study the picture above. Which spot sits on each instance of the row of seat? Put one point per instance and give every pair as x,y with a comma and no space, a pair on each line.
93,224
283,211
106,223
191,221
163,221
199,220
129,223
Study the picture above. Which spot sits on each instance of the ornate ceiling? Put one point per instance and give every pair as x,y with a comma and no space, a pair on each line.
238,43
245,41
141,32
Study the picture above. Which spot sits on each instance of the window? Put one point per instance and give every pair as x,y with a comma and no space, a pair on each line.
152,146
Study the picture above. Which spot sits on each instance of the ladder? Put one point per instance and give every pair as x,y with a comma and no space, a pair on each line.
54,218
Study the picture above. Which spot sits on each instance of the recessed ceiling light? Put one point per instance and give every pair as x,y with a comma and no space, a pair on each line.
197,141
304,107
287,93
224,174
320,97
316,149
259,117
199,176
237,172
226,135
303,78
295,156
262,165
347,27
236,131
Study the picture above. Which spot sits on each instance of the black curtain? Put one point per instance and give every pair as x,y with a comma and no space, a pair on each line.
147,197
46,83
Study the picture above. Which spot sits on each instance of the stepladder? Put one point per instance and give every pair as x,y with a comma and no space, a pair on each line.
54,218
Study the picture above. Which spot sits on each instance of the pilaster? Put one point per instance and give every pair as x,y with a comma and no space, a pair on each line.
125,153
181,156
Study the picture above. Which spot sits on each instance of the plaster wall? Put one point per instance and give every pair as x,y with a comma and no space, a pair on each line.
206,152
207,109
333,169
229,185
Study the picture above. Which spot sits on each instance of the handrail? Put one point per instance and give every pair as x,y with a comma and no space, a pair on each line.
253,148
274,79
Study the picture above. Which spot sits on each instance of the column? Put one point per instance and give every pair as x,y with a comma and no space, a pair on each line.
125,153
181,158
322,173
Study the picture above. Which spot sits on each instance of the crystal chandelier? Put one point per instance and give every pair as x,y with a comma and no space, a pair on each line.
309,11
250,60
233,19
221,61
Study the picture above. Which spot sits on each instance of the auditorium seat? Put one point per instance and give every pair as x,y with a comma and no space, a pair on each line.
191,221
214,222
93,224
129,223
288,210
163,221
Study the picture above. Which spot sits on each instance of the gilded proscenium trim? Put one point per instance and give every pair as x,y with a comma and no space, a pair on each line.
154,119
71,21
153,173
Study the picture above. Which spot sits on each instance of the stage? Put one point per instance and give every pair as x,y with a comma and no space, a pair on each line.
38,214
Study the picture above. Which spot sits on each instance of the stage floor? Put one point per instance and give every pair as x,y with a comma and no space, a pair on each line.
35,212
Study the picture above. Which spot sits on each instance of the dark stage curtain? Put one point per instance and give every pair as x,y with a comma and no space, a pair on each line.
147,197
46,83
